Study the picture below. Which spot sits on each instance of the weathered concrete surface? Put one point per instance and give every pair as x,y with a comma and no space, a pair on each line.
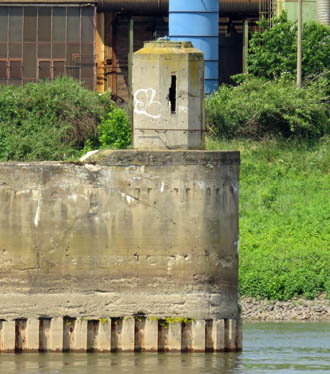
126,233
136,232
168,89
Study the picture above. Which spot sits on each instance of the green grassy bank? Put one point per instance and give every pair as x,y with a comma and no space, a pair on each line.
284,217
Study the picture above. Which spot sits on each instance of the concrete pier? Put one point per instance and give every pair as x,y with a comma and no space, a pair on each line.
8,336
113,247
33,335
198,343
104,336
132,250
174,337
56,335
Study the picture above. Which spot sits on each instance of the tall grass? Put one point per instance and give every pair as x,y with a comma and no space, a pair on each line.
284,217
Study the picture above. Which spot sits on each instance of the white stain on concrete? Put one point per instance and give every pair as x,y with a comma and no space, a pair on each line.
236,244
37,215
201,185
75,197
162,187
131,168
235,187
92,167
23,192
129,199
145,103
134,179
87,155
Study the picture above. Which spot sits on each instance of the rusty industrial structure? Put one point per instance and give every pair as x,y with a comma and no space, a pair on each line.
93,41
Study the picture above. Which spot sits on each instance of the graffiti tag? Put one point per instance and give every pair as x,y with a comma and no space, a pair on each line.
145,104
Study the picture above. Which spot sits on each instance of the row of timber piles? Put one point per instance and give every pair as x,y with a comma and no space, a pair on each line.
129,334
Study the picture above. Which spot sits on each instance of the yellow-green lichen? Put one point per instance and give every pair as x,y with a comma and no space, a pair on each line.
104,320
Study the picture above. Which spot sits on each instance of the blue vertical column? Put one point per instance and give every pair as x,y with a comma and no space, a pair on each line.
197,21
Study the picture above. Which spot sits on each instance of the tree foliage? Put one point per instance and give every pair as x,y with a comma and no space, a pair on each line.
273,51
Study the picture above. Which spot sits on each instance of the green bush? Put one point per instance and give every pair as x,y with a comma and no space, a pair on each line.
258,108
48,120
273,51
115,130
284,217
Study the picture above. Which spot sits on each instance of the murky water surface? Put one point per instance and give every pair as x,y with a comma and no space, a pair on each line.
268,348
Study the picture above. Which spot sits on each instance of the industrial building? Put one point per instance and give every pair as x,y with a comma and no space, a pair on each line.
92,40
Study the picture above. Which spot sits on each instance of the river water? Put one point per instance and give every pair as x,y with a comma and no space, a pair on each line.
281,348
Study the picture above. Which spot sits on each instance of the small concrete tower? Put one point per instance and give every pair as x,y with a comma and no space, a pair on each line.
168,89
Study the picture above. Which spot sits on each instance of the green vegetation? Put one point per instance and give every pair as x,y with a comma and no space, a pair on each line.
115,130
258,107
283,134
56,120
104,320
284,217
273,51
171,320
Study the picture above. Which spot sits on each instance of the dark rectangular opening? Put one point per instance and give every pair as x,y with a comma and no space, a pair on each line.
162,335
92,335
116,330
20,334
44,70
59,69
68,329
15,70
172,94
44,333
3,70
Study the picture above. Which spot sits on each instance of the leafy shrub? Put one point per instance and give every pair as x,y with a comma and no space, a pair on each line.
257,108
273,51
115,130
48,120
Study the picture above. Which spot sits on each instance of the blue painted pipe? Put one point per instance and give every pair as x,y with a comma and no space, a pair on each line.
197,21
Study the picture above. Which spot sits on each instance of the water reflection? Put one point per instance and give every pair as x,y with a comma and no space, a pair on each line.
72,363
281,348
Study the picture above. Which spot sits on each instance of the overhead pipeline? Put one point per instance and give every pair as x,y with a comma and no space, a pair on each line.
161,6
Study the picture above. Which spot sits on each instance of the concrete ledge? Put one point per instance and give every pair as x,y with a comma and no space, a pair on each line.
92,306
163,158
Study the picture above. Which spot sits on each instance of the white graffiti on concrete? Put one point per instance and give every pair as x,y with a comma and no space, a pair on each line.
145,104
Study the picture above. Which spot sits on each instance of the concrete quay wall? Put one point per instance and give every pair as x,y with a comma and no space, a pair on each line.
126,236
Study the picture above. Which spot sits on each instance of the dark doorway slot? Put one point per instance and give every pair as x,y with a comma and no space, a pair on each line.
172,94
